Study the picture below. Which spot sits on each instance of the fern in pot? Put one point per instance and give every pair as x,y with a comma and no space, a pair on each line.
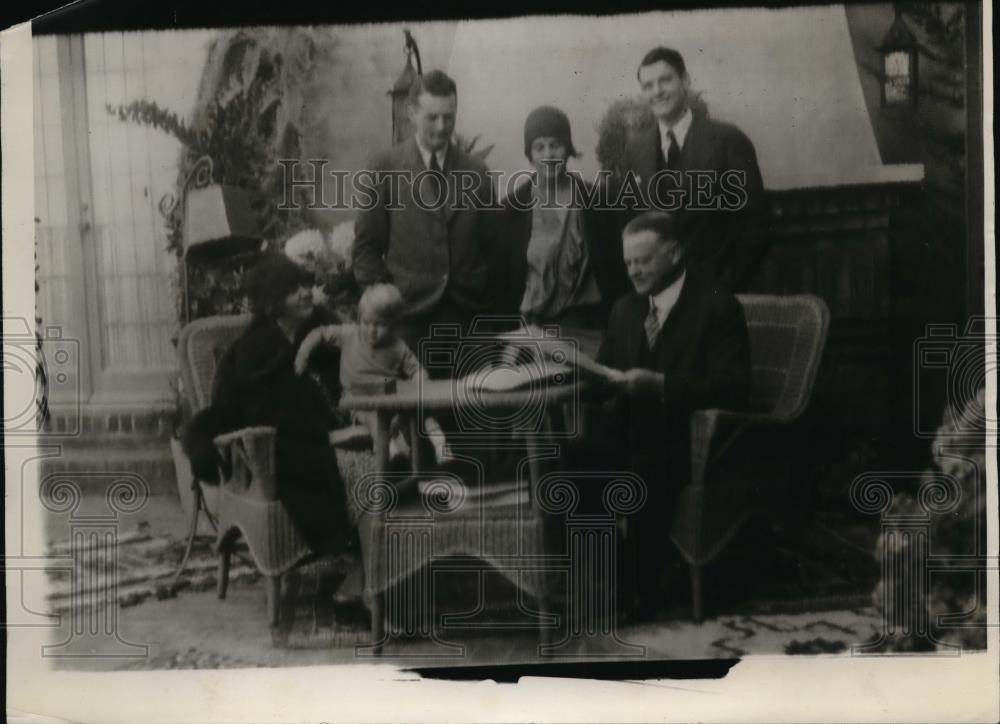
245,120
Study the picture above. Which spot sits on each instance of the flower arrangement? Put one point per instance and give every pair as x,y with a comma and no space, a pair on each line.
341,241
248,115
328,258
250,112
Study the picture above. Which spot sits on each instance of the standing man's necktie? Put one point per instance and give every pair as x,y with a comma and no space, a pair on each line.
441,183
672,152
652,325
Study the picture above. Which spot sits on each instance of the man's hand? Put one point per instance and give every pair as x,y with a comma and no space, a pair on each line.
312,340
638,382
510,354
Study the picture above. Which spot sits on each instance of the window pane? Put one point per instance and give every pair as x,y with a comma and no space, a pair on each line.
51,234
139,165
130,167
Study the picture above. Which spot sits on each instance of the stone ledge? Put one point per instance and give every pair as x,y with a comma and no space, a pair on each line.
153,463
112,423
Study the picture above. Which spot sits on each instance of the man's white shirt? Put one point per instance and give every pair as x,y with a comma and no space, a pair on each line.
680,130
666,299
426,155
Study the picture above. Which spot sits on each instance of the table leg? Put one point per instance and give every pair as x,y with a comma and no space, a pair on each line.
544,610
535,470
378,623
381,444
534,467
381,441
416,455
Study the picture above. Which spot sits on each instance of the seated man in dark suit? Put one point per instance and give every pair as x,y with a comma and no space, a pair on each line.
680,343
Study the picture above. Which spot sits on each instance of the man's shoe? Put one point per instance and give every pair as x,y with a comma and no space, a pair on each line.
352,614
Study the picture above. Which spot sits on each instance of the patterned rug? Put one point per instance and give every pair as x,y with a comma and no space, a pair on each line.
824,566
823,632
143,567
140,568
759,577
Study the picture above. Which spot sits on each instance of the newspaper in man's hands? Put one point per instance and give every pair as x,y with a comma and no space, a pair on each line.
588,364
569,354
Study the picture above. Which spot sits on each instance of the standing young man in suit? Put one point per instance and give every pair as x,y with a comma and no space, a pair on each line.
680,344
703,169
425,228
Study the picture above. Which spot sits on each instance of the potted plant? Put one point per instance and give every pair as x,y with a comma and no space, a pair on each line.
244,121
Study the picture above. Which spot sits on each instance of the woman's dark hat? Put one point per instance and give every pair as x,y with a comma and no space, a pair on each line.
272,279
548,121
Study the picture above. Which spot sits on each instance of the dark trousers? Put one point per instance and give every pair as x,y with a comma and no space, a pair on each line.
433,325
451,341
616,441
310,486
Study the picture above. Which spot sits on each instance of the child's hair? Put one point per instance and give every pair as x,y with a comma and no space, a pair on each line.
383,301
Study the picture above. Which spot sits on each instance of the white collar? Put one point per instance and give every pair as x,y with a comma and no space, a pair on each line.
426,155
680,129
665,300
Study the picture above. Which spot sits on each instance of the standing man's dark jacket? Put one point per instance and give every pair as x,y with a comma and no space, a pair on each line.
703,351
431,254
513,234
724,245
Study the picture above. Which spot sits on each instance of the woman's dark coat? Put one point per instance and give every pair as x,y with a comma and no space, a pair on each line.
256,385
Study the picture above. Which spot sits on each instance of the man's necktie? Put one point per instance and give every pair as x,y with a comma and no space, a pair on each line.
440,184
652,325
672,153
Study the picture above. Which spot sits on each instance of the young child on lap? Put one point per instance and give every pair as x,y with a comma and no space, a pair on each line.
372,352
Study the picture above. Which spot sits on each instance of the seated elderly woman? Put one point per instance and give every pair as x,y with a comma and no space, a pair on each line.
558,261
256,385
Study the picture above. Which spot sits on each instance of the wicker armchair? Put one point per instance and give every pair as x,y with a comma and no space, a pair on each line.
739,460
247,504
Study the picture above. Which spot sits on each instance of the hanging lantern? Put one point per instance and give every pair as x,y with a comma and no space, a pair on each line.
899,64
402,127
218,222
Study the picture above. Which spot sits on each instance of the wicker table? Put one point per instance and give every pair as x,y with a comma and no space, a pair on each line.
451,535
430,396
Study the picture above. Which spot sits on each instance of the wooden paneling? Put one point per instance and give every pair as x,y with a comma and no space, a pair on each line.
835,243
